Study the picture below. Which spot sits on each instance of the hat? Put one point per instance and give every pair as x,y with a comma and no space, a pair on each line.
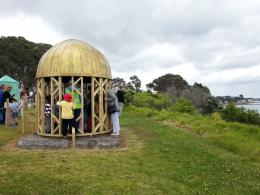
67,97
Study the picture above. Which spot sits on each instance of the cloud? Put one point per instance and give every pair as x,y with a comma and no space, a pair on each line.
206,41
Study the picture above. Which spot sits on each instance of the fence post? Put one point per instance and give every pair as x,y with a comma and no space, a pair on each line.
7,113
73,138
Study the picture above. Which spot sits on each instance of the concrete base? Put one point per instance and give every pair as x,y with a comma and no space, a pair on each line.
97,142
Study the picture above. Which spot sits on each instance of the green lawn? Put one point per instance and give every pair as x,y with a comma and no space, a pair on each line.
167,153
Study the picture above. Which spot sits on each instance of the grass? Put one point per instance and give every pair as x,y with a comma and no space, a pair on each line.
167,153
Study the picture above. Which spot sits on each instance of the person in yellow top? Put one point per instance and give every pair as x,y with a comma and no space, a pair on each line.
77,103
67,114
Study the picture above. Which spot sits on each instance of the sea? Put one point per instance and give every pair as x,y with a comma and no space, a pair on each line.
252,106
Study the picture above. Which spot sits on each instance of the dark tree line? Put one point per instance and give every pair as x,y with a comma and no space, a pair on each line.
19,58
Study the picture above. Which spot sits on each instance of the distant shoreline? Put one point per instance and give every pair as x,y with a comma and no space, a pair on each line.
248,103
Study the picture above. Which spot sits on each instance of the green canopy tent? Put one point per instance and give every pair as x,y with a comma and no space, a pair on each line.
6,80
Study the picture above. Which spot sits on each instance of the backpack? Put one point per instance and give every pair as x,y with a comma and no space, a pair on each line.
111,107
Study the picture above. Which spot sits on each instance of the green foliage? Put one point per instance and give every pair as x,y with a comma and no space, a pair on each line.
183,105
155,101
135,82
19,58
211,105
118,82
216,116
176,87
242,115
168,81
129,94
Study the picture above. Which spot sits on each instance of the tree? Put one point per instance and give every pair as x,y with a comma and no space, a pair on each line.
117,82
176,87
168,83
136,83
19,58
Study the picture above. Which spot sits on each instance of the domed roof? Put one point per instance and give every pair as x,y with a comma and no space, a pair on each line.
73,58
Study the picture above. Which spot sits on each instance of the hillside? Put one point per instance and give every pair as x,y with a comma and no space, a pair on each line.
167,153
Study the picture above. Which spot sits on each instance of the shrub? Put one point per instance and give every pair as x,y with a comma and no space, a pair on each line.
242,115
183,105
156,101
129,94
216,116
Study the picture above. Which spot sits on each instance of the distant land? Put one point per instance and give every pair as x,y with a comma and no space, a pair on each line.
237,99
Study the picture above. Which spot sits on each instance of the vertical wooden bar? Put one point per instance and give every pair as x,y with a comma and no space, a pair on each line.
7,111
106,120
92,104
36,108
72,93
82,104
42,105
52,106
60,99
73,137
38,104
101,110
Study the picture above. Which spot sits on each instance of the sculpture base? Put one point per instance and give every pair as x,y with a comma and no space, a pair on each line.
98,142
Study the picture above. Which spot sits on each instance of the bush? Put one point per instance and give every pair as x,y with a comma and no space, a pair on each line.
216,116
129,94
242,115
156,101
183,105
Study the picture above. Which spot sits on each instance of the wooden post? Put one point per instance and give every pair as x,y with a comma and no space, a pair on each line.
60,99
73,137
52,106
101,110
22,114
36,111
7,113
92,105
82,105
42,105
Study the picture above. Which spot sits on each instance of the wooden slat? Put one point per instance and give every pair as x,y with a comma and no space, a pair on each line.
92,105
42,105
101,111
82,105
60,99
52,106
105,95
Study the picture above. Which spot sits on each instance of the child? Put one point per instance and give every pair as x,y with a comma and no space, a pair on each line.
67,113
14,108
47,112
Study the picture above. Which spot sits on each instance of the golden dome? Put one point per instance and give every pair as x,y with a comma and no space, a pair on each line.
73,58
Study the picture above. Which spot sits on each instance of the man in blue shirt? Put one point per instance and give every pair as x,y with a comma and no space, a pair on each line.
2,104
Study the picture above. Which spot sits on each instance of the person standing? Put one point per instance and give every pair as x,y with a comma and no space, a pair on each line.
67,114
7,95
121,99
113,109
77,104
2,103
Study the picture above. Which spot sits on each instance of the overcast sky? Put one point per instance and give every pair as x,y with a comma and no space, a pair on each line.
214,42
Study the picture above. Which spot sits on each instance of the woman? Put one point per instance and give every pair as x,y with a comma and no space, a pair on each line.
113,109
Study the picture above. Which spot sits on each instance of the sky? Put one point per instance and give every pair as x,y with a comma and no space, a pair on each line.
213,42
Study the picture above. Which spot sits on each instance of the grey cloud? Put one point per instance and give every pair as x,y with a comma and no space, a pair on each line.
214,35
